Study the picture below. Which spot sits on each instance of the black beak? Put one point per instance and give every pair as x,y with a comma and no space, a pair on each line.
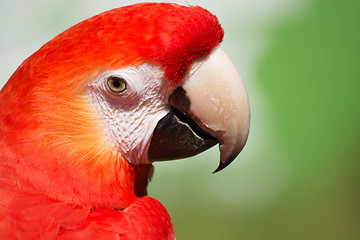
177,135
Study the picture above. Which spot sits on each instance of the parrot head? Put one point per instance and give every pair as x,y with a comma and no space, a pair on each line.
98,104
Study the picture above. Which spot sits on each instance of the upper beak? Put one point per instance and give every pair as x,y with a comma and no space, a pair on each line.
213,96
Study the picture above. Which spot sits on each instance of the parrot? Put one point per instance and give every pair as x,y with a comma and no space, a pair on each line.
83,119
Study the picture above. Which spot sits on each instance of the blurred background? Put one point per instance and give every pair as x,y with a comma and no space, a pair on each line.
298,177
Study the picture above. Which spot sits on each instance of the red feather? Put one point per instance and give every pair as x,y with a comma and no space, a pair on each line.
145,219
58,175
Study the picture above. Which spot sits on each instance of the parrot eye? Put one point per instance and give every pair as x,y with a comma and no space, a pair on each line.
116,84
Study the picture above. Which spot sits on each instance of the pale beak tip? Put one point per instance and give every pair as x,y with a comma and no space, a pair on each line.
229,151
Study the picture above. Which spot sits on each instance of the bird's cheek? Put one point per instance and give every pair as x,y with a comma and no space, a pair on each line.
128,118
135,146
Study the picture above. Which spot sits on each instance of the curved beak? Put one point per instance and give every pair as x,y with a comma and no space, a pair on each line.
213,96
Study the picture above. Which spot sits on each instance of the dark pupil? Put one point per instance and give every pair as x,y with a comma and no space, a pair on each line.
116,82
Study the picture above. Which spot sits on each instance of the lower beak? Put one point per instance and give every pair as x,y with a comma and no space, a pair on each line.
210,107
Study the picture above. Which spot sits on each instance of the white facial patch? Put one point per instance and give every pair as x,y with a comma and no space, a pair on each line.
130,117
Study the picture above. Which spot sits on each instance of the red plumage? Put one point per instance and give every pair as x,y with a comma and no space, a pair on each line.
58,176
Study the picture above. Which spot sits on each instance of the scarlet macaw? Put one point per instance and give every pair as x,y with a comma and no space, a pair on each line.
84,117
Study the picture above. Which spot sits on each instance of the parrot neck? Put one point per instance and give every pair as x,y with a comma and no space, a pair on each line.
97,186
106,181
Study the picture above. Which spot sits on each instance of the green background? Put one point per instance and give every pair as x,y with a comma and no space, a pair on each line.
298,177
